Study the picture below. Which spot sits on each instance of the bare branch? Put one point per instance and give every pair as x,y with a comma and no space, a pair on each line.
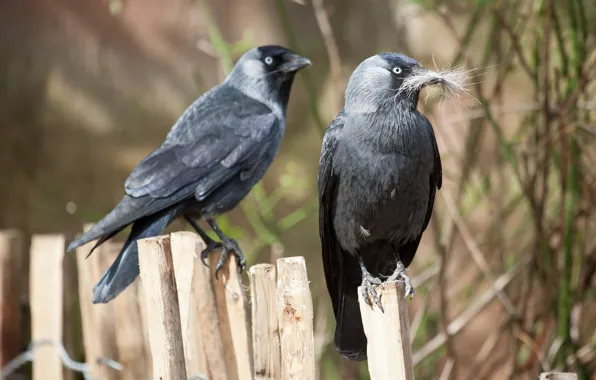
477,255
331,46
467,315
516,45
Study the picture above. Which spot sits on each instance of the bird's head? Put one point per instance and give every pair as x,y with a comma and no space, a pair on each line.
267,70
392,78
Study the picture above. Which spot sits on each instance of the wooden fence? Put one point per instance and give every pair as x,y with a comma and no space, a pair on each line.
178,321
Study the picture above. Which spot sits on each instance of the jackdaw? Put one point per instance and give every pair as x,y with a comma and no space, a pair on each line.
219,148
378,172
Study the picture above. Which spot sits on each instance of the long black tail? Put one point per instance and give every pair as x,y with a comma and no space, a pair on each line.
350,339
125,269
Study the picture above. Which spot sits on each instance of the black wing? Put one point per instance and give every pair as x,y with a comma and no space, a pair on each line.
220,136
408,250
342,272
436,177
212,142
327,188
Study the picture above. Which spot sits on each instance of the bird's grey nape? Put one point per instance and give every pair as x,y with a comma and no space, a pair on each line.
248,76
368,86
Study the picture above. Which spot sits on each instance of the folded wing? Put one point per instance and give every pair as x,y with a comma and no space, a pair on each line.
210,144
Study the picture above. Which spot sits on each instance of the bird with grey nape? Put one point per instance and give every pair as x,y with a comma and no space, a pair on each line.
378,173
219,148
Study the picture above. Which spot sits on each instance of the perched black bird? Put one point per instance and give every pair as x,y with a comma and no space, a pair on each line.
378,173
219,148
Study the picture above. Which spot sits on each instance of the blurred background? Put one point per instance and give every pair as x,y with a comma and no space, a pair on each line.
88,88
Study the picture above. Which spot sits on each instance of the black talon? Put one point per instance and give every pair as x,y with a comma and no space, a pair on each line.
221,262
367,286
212,246
228,245
400,271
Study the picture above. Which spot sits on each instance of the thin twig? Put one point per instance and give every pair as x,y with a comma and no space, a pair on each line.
527,340
426,275
419,316
477,255
447,369
514,38
332,49
485,350
444,305
471,311
309,85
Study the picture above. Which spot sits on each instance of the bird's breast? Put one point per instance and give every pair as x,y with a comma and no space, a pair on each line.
380,197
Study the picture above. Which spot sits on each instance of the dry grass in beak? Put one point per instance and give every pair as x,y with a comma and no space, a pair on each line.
453,81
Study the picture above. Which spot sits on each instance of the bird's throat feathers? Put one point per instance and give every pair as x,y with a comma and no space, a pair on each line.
395,129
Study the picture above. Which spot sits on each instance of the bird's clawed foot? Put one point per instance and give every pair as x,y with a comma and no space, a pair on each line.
230,245
368,290
227,246
400,271
369,294
212,245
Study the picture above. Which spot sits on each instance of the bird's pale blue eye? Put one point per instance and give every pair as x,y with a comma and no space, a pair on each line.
268,60
396,70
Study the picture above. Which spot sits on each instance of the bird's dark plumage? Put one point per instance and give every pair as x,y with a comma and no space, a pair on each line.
215,153
378,173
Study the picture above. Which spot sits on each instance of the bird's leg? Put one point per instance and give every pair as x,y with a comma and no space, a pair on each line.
400,271
367,288
227,245
212,245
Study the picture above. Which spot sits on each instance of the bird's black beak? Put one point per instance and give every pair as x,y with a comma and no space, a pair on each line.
294,62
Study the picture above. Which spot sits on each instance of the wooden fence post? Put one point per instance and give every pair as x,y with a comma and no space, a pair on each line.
163,309
224,320
185,258
132,343
388,334
295,318
265,332
97,320
233,315
11,258
47,253
145,327
208,323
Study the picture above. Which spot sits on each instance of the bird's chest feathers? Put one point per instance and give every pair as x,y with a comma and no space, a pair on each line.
371,179
383,187
254,173
383,160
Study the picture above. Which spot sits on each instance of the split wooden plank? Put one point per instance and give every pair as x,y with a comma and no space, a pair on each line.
388,334
295,318
265,331
163,309
11,260
47,254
